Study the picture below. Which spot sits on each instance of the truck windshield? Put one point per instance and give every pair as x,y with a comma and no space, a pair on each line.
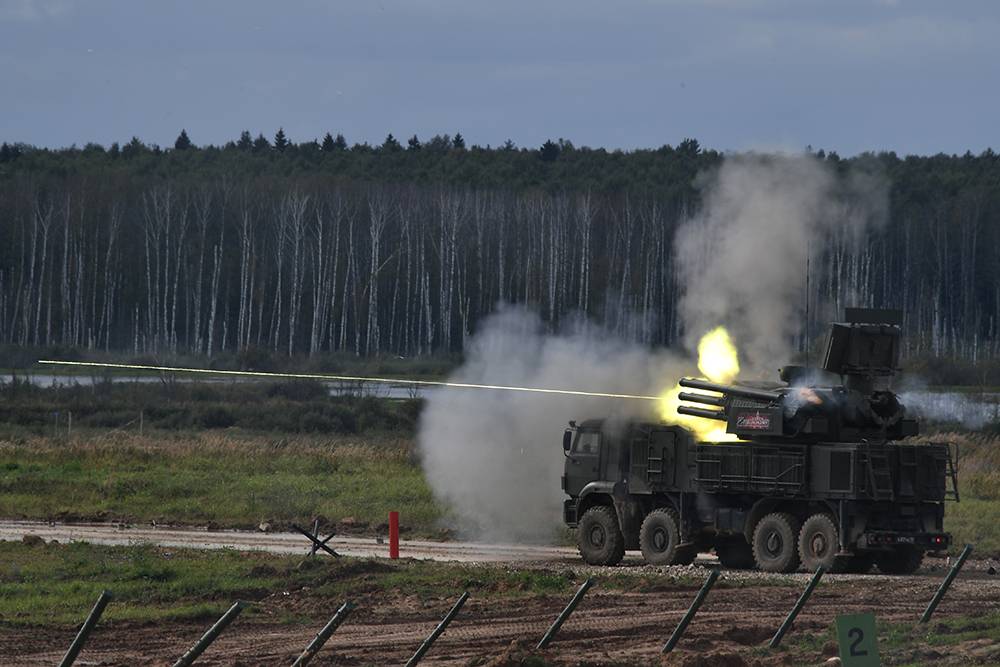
586,443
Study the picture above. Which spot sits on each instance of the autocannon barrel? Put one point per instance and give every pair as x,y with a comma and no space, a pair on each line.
732,390
701,412
704,399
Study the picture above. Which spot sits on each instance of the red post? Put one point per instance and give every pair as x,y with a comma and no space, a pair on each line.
393,535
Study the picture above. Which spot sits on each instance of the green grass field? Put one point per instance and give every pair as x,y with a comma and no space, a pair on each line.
287,407
53,584
225,478
237,479
56,584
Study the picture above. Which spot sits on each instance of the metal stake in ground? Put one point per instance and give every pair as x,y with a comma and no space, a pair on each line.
316,644
437,631
312,550
210,636
88,625
550,635
692,610
946,584
799,604
317,543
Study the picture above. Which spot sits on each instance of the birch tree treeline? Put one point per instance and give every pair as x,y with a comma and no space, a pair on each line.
161,260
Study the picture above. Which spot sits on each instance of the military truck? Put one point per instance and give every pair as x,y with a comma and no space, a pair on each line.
825,471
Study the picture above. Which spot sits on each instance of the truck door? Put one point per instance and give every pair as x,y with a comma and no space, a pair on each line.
611,454
583,462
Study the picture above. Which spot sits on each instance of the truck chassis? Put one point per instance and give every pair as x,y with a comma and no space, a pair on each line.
775,505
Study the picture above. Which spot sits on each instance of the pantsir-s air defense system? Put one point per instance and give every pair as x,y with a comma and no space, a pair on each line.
823,472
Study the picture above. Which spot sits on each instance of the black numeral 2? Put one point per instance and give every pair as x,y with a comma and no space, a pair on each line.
858,636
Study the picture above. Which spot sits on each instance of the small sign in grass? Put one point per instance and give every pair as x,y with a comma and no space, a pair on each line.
858,640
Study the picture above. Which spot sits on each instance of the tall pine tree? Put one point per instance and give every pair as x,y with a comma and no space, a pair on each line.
549,151
183,142
280,142
246,142
261,144
390,145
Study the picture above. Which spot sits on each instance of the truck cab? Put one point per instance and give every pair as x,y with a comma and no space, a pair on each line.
615,472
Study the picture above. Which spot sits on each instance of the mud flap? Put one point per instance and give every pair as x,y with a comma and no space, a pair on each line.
629,514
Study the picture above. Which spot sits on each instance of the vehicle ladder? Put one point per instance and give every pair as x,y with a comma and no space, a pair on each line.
879,474
951,471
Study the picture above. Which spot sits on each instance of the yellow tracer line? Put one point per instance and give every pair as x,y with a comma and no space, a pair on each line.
350,378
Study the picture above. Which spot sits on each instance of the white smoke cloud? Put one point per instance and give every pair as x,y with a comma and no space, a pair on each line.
495,459
972,412
741,259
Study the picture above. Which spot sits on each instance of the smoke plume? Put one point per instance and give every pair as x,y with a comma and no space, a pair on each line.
741,259
971,412
494,459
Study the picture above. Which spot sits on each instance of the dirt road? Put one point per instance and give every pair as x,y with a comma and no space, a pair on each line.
369,547
280,543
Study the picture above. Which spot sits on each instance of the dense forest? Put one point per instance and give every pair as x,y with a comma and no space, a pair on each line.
318,247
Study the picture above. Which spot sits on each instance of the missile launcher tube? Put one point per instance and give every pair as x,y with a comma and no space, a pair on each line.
704,399
701,412
731,390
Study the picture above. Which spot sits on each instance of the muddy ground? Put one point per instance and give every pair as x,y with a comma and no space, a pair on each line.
731,630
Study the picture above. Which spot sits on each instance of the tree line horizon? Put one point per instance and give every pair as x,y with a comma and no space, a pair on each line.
548,150
318,247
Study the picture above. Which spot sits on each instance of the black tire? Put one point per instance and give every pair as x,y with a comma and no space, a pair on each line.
735,554
859,564
775,543
660,536
819,542
901,560
600,539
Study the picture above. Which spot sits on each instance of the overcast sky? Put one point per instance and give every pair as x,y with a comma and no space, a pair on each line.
846,75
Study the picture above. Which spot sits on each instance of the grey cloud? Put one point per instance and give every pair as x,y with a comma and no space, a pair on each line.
33,10
849,76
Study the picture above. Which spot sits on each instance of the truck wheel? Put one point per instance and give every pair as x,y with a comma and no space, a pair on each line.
659,537
735,554
819,542
601,541
902,560
775,543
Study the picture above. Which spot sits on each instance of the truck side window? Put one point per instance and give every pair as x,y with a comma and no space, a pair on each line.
587,443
